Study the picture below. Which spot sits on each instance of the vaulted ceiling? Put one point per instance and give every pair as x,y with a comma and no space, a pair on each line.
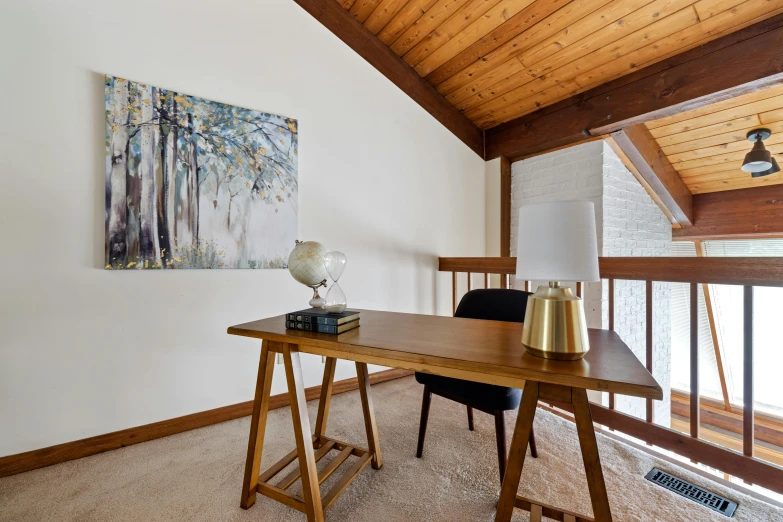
496,60
672,85
706,146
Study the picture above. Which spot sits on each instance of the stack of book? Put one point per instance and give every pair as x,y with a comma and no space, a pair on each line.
321,321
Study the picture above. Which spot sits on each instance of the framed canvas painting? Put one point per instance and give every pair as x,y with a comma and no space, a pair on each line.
193,183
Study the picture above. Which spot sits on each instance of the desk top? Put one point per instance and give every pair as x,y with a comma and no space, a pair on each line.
472,349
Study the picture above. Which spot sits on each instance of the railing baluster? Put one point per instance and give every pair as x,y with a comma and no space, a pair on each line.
746,272
649,340
453,293
611,327
470,282
611,304
747,384
695,400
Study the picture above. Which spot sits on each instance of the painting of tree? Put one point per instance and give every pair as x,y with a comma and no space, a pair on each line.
193,183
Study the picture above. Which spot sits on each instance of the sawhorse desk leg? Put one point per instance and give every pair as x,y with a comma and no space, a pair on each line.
577,397
309,448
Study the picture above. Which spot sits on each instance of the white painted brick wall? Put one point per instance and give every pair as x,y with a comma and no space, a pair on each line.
633,225
629,223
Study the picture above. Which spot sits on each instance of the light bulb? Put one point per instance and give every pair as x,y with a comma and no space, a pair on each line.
757,166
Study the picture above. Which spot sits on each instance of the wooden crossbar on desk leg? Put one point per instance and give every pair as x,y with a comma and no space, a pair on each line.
255,443
322,446
309,448
516,454
592,461
326,396
282,496
369,415
276,468
346,479
548,511
304,446
292,477
584,425
330,468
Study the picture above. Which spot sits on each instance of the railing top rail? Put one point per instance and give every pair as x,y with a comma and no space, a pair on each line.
750,271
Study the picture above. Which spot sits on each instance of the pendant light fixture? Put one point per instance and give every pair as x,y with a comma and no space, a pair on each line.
759,161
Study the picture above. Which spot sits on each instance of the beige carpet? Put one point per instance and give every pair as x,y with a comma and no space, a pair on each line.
198,475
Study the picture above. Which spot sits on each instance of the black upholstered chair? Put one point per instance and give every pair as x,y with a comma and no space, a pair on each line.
498,305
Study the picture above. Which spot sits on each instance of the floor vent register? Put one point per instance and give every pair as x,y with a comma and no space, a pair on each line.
706,498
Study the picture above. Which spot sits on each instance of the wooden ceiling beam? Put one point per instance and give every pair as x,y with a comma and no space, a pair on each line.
738,63
736,214
348,29
642,150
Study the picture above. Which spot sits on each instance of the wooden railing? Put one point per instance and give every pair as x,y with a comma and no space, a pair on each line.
746,272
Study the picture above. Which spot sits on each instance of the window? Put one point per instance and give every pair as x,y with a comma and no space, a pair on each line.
728,313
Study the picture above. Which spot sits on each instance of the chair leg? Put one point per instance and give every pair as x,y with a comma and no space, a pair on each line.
500,437
532,442
425,413
470,418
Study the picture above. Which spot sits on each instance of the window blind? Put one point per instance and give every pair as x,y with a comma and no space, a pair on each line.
727,304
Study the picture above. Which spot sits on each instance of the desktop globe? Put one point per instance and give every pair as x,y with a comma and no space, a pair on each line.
306,265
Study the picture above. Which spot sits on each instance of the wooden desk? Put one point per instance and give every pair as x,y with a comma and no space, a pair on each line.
471,349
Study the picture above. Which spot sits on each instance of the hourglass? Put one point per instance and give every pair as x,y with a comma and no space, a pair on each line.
335,262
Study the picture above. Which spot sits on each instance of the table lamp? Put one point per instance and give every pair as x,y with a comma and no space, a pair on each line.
557,243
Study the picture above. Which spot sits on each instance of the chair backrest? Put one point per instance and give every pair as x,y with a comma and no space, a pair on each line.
494,304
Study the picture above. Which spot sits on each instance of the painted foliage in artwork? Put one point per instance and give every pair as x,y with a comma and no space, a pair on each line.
192,183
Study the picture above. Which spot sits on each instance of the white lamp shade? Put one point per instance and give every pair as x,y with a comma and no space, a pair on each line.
557,242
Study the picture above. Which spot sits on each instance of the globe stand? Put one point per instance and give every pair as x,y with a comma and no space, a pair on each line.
317,301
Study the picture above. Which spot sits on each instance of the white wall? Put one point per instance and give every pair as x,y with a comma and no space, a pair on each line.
85,351
492,208
491,217
629,223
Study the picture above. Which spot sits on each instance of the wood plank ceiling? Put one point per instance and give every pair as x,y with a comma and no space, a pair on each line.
707,145
496,60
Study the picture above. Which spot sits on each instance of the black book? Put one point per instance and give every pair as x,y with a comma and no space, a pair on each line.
321,316
322,328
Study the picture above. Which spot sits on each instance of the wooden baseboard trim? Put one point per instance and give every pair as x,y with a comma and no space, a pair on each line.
30,460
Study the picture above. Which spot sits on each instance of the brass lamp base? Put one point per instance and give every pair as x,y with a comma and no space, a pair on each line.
555,326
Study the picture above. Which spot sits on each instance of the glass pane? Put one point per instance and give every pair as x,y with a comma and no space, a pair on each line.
767,326
709,381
